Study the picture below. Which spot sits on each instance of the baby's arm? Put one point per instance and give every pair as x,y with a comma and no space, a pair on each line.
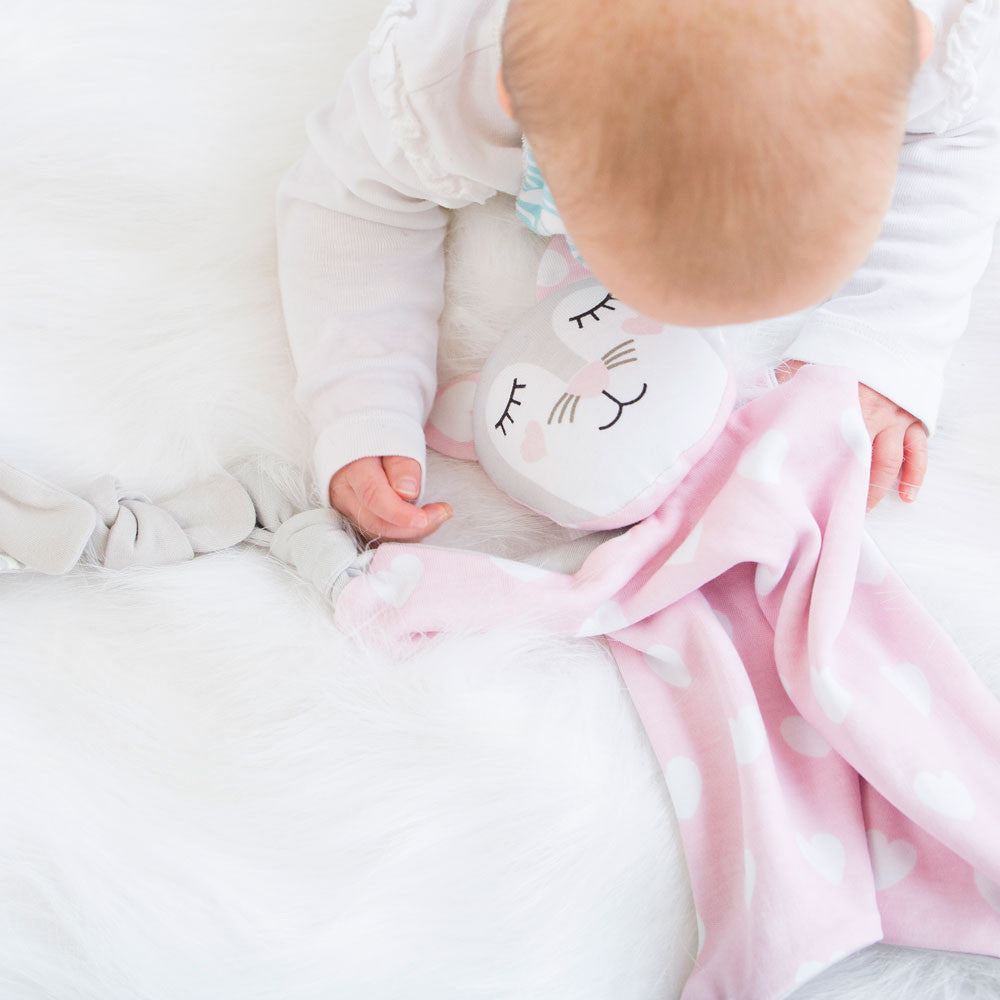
897,319
361,219
361,274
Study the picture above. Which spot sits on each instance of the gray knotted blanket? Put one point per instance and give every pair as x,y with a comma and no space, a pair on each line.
49,530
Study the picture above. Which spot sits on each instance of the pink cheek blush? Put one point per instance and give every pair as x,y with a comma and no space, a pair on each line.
639,326
533,446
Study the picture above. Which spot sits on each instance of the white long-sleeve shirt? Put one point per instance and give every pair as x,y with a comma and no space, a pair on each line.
416,129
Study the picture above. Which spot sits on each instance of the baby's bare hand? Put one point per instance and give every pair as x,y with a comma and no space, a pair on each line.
899,442
373,494
899,447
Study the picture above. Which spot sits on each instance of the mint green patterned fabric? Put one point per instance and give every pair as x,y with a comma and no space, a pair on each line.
535,205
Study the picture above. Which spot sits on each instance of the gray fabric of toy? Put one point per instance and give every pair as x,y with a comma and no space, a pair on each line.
47,529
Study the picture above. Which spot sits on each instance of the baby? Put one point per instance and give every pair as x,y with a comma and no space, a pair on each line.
713,163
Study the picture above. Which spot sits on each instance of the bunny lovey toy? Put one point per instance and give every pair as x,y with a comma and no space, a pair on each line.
586,411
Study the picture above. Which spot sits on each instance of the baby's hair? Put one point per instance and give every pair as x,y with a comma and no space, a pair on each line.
732,137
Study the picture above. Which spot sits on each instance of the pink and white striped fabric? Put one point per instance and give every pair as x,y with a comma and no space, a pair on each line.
833,760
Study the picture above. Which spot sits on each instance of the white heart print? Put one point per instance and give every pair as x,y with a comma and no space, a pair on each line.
608,617
766,578
686,551
684,782
397,584
826,854
909,680
990,891
833,697
808,969
762,461
945,793
854,432
519,570
803,738
668,664
892,860
748,733
724,621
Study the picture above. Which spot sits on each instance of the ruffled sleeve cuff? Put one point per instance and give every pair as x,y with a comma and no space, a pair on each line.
967,44
388,83
948,87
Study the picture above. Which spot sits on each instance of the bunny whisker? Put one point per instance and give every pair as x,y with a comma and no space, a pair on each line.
618,364
562,412
554,408
617,347
572,413
620,354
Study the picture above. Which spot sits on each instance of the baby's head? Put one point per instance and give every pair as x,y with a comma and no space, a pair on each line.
717,161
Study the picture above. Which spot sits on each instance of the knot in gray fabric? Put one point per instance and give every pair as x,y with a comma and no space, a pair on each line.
131,530
48,529
317,546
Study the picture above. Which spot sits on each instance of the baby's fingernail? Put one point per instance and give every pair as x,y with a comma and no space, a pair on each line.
443,515
407,487
910,494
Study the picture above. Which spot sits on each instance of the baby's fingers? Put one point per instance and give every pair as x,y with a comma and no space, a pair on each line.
403,474
362,492
911,476
377,509
887,457
374,526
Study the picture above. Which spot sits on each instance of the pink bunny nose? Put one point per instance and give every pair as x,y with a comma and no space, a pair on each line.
591,380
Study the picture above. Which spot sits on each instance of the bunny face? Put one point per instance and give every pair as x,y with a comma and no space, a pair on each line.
588,412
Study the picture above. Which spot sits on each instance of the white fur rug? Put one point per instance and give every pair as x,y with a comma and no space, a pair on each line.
206,792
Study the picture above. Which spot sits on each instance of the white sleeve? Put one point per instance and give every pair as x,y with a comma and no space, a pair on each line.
360,223
897,319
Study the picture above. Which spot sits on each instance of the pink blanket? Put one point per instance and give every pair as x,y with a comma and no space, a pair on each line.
833,760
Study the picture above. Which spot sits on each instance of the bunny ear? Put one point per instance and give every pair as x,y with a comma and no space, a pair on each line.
558,267
449,427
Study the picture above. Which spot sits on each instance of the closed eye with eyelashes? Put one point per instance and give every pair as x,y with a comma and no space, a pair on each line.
603,304
506,416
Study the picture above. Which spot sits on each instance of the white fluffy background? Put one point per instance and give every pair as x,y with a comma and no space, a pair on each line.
205,790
